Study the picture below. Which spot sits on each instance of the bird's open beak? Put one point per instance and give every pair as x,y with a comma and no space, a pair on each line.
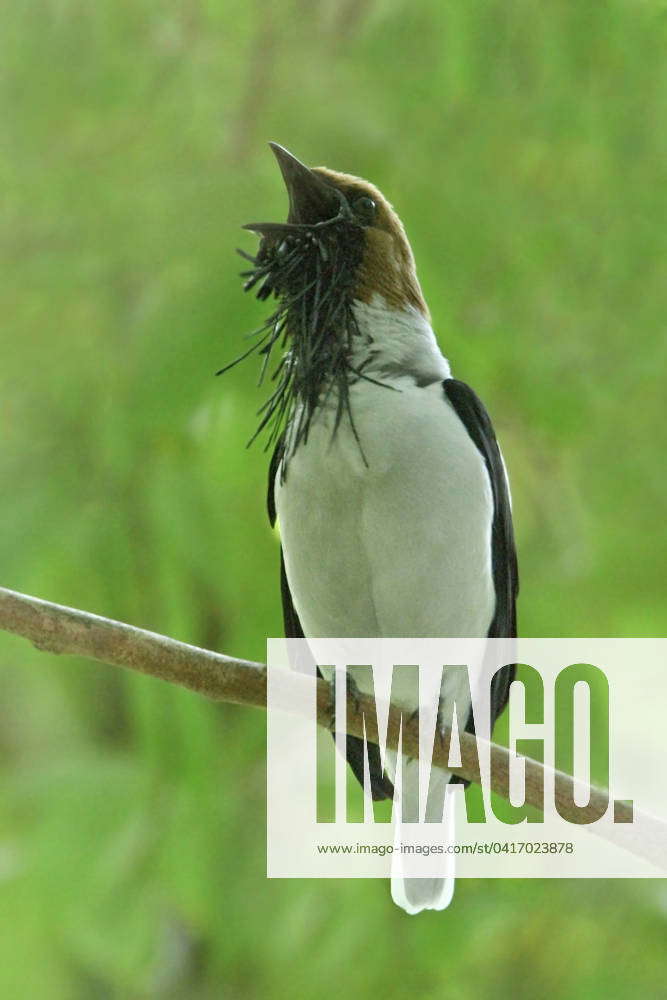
311,200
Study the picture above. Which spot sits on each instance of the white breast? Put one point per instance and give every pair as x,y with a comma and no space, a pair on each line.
400,547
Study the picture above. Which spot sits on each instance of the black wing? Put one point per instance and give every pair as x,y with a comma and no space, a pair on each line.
475,419
381,786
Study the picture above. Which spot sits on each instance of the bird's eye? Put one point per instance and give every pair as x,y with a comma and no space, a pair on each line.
365,209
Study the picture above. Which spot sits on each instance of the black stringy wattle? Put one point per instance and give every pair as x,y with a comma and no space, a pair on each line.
310,270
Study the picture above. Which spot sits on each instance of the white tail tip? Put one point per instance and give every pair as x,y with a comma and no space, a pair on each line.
416,894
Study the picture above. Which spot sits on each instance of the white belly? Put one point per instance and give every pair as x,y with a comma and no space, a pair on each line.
401,547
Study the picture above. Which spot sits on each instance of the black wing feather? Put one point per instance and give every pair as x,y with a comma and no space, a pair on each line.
475,419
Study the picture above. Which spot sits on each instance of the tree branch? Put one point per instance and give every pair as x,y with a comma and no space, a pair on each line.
55,628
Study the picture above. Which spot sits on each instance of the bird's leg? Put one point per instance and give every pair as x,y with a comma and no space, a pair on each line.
438,728
411,718
444,737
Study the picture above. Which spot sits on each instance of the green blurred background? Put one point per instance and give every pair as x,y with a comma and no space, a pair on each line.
524,145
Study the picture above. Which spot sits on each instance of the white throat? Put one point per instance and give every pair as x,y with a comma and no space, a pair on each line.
397,342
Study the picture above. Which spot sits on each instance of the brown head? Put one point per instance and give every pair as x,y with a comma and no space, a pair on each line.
387,265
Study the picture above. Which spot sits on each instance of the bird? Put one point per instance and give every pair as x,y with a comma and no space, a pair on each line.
386,481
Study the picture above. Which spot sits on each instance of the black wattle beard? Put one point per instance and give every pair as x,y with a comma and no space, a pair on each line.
310,270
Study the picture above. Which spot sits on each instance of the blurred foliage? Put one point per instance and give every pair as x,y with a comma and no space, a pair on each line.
524,146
